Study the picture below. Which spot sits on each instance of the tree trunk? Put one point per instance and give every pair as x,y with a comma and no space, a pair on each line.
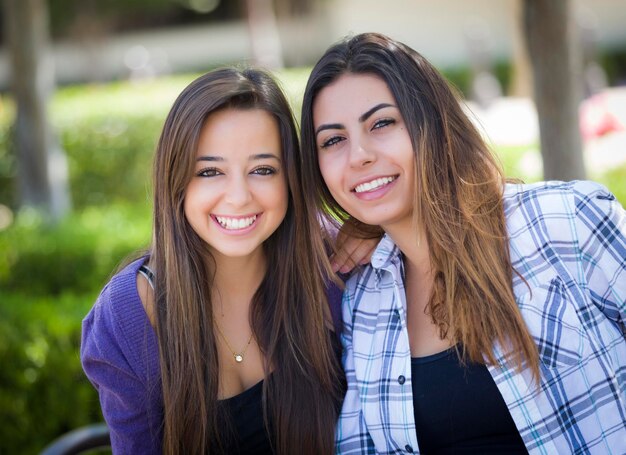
521,77
264,35
550,32
42,166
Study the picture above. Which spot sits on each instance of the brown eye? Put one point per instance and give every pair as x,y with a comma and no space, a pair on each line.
209,172
264,170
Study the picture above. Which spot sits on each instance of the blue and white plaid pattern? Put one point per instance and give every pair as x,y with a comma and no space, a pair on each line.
568,241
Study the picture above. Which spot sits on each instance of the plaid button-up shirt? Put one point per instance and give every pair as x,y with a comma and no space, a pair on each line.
568,241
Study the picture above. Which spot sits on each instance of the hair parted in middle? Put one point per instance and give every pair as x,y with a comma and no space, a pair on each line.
289,312
457,201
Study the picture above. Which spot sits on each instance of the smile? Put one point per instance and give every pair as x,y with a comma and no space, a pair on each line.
374,184
233,224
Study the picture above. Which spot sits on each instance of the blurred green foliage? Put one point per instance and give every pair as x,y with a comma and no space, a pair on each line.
51,275
49,278
109,138
108,132
44,392
76,255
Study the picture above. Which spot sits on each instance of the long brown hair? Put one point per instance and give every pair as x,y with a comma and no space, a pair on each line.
457,202
288,312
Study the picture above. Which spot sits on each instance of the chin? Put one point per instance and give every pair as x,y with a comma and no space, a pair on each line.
233,252
372,219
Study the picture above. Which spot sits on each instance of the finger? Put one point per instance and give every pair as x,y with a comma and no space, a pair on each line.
343,258
362,254
342,261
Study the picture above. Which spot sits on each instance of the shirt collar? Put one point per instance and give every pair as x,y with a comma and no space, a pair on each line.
385,254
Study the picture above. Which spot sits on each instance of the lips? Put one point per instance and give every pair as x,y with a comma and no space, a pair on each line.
232,224
374,184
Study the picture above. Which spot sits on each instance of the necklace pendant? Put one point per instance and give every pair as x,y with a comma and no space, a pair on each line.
238,358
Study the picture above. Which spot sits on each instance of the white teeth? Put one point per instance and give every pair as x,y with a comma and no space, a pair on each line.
377,183
235,223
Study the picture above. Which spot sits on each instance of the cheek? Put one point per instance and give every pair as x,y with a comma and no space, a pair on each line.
197,201
189,202
331,173
190,210
274,195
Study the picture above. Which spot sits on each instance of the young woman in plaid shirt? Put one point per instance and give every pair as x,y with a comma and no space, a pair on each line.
492,316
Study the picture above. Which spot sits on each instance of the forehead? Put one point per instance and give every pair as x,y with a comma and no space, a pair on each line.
236,130
351,93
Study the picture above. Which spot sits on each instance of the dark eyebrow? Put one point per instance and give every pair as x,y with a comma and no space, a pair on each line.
260,156
328,126
369,113
362,118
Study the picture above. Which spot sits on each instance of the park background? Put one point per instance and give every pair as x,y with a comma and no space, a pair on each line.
105,75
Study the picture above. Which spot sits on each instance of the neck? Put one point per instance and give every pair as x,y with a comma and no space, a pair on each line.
425,337
237,279
413,244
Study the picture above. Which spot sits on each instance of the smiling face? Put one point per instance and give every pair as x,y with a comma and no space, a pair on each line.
364,150
238,195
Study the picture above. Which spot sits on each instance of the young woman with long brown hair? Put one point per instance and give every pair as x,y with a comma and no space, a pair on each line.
219,340
492,316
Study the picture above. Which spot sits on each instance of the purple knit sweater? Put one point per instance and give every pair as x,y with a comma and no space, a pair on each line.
119,354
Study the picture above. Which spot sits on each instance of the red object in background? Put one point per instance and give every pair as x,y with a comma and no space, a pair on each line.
603,113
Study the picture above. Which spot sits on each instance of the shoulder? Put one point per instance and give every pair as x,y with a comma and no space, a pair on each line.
554,207
561,228
541,197
119,299
117,330
553,196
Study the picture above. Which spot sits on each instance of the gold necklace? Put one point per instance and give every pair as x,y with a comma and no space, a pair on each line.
238,356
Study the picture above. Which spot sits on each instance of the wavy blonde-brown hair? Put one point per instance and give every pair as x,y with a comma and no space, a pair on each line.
457,201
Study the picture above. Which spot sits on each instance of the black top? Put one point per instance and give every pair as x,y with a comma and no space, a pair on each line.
459,410
242,428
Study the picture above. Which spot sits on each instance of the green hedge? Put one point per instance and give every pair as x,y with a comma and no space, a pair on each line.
76,255
43,392
50,277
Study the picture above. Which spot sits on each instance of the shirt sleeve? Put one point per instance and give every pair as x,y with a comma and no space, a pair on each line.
601,231
127,407
352,435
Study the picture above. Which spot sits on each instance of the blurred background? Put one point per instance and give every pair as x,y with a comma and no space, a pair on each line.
85,86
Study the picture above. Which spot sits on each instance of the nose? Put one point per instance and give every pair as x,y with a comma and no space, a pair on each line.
361,155
237,191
